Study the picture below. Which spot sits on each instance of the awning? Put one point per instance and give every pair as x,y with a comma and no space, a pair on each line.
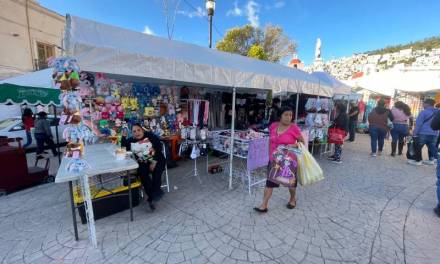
11,93
103,48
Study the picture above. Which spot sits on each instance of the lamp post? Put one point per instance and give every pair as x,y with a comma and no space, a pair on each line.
210,7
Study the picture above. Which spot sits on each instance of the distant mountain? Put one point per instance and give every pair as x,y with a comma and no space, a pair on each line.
428,44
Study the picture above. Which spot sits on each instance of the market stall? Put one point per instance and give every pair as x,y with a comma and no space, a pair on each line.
160,76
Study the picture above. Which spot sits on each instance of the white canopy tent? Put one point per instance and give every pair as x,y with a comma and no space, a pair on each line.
113,50
339,88
390,81
42,79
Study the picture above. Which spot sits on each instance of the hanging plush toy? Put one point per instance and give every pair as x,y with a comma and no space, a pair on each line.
86,83
102,85
77,166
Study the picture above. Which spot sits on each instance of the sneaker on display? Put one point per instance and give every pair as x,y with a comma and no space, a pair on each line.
415,163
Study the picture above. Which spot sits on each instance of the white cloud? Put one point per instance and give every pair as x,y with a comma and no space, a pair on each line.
148,30
252,10
200,12
279,4
236,11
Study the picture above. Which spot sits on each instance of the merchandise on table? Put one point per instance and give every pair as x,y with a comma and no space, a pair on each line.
317,119
221,141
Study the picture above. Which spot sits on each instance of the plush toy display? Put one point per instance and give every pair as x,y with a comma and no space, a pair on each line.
86,84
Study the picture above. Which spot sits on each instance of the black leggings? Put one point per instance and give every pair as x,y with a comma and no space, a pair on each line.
151,184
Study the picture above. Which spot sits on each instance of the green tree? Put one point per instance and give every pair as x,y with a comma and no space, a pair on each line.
274,43
257,52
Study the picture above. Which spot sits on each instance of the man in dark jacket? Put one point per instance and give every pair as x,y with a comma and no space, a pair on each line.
435,125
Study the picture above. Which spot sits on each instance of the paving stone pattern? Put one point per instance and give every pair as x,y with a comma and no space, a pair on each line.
367,210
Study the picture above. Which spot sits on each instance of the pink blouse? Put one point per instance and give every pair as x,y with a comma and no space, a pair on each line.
288,137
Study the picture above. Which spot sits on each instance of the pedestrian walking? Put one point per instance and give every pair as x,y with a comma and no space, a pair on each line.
353,119
282,133
341,122
401,124
28,120
379,120
435,125
43,134
425,135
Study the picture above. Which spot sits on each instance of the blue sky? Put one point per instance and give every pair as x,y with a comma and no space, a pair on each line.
344,26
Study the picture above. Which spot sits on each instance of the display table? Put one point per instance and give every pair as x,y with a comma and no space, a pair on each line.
101,160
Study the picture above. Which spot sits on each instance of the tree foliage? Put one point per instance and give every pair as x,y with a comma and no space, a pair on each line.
270,44
428,44
257,52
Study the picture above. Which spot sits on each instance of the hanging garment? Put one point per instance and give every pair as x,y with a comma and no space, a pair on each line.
195,115
206,113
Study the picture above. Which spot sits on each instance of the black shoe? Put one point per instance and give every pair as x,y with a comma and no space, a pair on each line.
393,154
290,206
151,205
260,210
437,210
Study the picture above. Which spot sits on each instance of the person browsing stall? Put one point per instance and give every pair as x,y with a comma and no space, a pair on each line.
154,166
284,133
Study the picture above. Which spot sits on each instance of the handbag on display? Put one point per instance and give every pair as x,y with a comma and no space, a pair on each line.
309,170
336,135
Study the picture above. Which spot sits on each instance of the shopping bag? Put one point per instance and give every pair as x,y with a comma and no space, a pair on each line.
336,135
283,169
309,170
411,153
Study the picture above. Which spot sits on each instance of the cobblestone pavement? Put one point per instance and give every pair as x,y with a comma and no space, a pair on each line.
367,210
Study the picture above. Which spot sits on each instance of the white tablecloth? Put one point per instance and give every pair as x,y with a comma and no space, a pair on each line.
101,159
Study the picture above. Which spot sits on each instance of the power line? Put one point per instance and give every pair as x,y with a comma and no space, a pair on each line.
198,11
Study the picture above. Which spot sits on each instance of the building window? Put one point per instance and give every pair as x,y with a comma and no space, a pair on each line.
45,51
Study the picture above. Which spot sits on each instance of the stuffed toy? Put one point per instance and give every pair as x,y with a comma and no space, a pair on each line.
104,128
76,166
102,85
86,83
143,150
72,134
134,104
71,102
105,113
125,101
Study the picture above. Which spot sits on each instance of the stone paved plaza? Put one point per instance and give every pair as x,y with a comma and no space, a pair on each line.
367,210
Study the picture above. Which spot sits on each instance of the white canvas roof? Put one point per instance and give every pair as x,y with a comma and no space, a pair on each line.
109,49
387,82
41,79
338,86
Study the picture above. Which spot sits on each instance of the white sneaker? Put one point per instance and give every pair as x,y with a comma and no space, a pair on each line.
415,163
429,162
373,155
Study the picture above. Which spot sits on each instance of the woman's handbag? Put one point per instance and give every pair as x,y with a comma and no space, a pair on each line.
282,170
336,135
309,170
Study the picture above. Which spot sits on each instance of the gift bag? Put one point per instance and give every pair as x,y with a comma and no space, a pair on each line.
282,170
411,153
336,136
309,170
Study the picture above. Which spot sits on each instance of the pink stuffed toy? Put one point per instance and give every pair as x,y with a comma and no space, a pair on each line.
105,114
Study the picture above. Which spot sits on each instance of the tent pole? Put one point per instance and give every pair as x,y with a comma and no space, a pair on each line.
231,154
56,133
296,108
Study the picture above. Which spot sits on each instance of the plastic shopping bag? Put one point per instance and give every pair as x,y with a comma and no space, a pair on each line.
309,170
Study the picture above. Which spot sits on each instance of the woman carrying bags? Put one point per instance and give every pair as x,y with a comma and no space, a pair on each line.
340,126
281,134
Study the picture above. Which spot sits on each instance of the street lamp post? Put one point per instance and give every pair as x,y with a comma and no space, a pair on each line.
210,7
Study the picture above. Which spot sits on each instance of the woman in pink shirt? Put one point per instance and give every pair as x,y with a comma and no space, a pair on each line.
284,133
401,122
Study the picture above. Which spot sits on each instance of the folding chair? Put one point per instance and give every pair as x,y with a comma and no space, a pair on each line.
167,185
